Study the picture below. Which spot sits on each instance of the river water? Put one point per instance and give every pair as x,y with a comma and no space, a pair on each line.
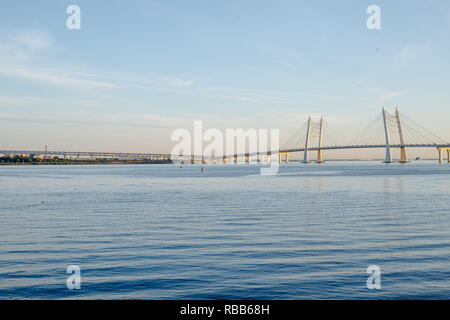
165,232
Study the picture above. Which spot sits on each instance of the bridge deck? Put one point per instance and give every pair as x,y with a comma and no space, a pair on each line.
147,155
85,153
370,147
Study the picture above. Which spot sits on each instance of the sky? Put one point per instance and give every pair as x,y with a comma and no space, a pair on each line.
137,70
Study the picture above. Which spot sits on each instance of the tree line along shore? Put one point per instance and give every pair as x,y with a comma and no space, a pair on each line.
26,160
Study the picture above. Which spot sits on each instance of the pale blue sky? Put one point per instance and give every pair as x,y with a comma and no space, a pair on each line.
138,69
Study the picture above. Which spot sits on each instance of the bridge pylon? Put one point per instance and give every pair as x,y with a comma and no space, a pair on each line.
388,158
319,152
403,156
314,130
308,131
394,124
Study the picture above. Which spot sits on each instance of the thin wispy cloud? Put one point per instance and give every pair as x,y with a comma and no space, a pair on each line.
19,48
174,85
34,40
411,54
22,45
96,120
388,95
280,50
54,77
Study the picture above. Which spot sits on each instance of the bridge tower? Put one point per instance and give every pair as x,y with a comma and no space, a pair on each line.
403,156
308,130
386,132
319,152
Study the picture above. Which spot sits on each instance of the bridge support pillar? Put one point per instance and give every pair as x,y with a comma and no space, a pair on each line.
286,157
319,156
261,158
441,154
403,157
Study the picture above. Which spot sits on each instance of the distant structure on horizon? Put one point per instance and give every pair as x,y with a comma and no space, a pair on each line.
386,131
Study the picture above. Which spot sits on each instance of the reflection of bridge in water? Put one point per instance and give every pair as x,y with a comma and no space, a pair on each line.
387,131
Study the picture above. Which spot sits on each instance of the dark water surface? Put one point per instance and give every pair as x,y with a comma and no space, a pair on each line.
162,232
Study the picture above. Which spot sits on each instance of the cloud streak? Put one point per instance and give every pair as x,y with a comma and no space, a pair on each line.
52,121
389,95
164,84
24,45
57,78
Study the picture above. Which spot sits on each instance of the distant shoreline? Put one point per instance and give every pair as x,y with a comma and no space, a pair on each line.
85,162
125,162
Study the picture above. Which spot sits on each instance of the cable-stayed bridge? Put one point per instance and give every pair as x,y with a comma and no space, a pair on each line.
387,131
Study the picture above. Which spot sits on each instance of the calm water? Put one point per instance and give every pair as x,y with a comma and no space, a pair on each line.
161,232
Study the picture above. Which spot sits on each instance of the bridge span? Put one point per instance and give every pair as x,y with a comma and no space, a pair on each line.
91,155
387,131
440,148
